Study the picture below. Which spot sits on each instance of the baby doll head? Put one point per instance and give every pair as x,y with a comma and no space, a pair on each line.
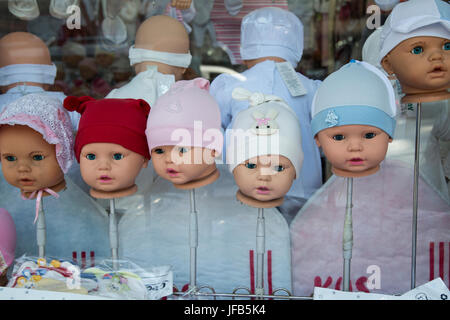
36,143
264,150
7,243
184,132
272,32
415,46
168,50
353,118
110,144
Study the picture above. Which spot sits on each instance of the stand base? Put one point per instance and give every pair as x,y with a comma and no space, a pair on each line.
59,187
200,182
426,97
257,203
98,194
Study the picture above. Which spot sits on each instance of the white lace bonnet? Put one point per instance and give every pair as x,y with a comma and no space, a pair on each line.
46,115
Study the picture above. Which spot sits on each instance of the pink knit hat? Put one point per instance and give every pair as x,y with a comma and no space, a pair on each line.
186,115
7,240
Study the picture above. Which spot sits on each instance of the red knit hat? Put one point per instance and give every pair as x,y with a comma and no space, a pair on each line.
119,121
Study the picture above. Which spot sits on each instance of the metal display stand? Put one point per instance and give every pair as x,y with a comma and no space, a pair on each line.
347,241
113,234
41,232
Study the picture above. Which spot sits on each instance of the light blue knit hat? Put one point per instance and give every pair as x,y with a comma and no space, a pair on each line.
358,93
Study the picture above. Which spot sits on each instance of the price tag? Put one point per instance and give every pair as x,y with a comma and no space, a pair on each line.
291,79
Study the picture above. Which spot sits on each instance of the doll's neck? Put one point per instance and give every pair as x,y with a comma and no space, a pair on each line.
210,178
56,188
352,174
257,203
426,97
99,194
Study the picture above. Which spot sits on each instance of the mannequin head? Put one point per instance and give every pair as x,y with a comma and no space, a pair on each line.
88,69
271,33
184,132
174,39
353,119
110,144
354,148
264,150
23,48
35,143
178,164
72,54
265,178
28,161
103,57
430,57
417,33
109,166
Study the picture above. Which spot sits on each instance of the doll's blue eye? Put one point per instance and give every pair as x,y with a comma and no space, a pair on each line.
250,165
446,46
417,50
38,157
11,158
370,135
279,168
118,156
90,156
339,137
183,150
158,151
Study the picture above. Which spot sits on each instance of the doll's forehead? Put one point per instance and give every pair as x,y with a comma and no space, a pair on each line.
352,128
423,40
270,159
103,147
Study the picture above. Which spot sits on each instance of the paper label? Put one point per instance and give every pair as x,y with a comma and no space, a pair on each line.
291,79
158,286
433,290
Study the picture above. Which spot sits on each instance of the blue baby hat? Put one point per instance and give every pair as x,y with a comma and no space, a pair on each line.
358,93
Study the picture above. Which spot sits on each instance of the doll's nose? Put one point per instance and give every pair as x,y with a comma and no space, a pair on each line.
355,145
436,55
264,174
105,165
24,167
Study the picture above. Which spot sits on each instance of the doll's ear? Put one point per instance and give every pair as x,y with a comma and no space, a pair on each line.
317,141
145,165
387,65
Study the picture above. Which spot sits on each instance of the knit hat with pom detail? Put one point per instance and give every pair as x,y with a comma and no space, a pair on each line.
119,121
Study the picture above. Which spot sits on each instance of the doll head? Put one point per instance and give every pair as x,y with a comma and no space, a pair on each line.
184,132
169,50
353,118
103,58
417,33
264,150
25,58
110,144
73,53
272,32
7,243
36,142
88,69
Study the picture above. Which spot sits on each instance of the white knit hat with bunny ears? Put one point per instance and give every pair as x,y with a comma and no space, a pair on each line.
268,127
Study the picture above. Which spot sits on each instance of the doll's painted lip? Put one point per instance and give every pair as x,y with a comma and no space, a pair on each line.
172,173
438,71
356,161
105,179
262,190
26,182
